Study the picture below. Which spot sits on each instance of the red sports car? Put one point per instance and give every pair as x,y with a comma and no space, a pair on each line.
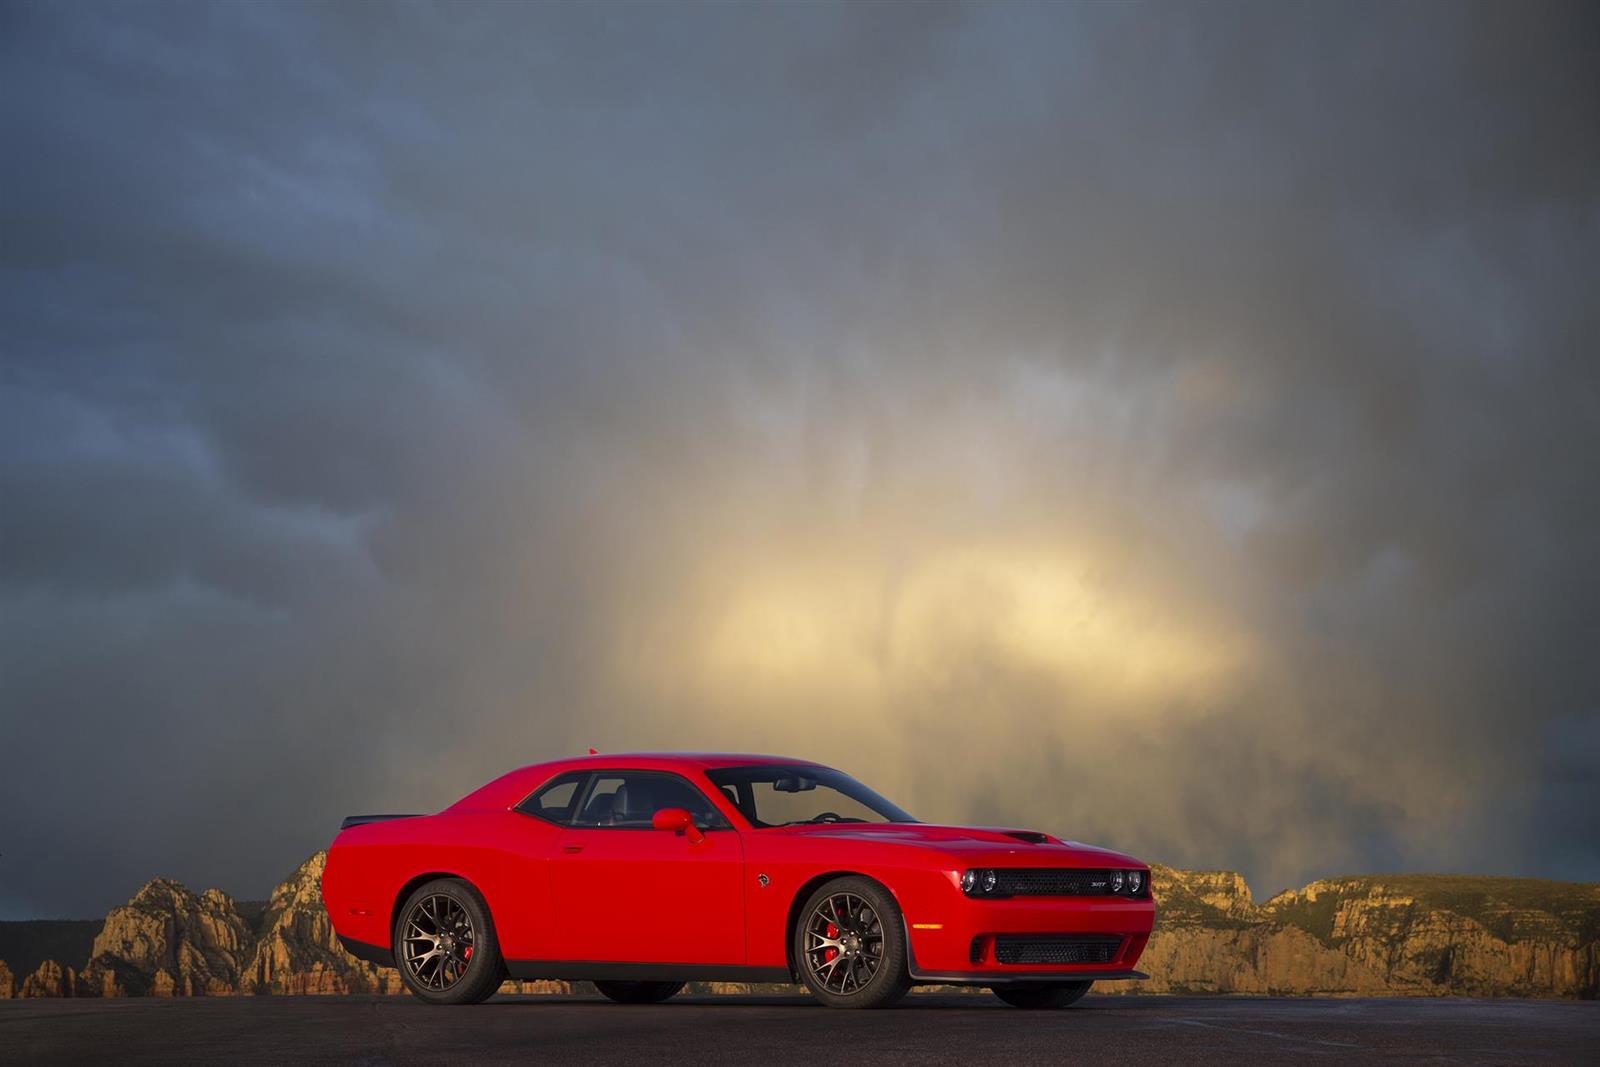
643,872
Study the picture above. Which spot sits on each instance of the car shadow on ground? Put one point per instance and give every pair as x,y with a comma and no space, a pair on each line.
914,1002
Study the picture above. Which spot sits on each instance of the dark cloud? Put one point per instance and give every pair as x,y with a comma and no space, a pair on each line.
1162,426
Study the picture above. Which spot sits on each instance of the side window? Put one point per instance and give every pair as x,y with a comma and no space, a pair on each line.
555,801
630,799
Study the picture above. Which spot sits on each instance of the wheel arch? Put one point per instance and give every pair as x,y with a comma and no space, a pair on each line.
810,886
415,883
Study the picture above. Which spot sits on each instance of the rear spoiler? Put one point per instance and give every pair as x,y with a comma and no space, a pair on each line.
362,820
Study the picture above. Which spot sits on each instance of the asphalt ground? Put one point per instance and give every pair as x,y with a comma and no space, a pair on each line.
925,1028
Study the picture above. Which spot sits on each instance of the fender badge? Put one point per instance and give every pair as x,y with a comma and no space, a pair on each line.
764,880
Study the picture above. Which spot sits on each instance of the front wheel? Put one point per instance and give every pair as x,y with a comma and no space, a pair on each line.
850,945
1041,994
638,992
446,945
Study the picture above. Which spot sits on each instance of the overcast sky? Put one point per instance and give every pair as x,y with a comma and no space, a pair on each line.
1169,427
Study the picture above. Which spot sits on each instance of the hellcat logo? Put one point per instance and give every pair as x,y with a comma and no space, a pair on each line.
763,879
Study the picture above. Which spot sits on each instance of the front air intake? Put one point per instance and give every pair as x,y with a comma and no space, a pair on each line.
1056,948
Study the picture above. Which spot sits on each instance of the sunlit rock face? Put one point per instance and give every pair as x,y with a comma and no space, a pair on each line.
1411,935
8,982
50,980
298,950
167,941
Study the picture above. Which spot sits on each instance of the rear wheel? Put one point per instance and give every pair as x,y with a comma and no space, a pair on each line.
638,992
1041,994
445,944
850,945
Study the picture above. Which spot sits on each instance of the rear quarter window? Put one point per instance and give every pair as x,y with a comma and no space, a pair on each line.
554,801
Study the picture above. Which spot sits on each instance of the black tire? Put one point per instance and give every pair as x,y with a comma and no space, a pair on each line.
877,942
1035,995
448,919
638,992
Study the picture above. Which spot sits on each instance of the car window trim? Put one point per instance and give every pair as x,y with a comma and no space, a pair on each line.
522,807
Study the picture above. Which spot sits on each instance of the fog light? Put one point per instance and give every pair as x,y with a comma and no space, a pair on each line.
1116,881
1135,882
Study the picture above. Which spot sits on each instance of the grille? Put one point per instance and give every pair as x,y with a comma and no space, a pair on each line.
1055,948
1052,882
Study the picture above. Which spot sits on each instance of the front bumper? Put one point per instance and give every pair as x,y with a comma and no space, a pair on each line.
958,945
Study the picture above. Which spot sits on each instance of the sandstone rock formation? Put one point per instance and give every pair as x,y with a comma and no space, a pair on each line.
167,941
8,982
50,980
1426,935
298,951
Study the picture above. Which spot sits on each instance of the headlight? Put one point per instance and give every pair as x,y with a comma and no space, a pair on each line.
1116,881
1135,882
979,882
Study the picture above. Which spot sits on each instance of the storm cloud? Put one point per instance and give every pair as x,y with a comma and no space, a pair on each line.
1167,426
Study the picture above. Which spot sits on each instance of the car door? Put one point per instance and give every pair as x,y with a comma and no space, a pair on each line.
528,847
624,891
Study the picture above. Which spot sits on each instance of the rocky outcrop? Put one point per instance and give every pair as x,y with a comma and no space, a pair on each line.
1462,935
298,951
167,941
50,980
8,982
1404,935
1222,891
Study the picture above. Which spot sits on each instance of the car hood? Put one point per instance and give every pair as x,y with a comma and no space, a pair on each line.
996,846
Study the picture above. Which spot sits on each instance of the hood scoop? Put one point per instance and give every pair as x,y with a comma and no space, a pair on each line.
1031,837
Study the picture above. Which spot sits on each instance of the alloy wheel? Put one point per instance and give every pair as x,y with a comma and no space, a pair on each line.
843,943
437,942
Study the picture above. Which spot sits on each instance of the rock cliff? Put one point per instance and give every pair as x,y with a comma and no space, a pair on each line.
297,950
50,980
1418,935
1426,935
167,941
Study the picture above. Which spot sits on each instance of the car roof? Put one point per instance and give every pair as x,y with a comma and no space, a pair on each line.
511,788
691,759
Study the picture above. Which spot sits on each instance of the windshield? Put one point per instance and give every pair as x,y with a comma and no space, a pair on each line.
787,796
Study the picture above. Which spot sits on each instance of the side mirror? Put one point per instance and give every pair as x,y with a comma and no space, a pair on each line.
678,820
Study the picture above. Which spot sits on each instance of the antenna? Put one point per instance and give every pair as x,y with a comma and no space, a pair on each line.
594,752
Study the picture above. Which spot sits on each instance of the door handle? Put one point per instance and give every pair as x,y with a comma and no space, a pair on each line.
571,848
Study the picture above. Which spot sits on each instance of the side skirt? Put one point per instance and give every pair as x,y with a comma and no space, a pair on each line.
600,970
